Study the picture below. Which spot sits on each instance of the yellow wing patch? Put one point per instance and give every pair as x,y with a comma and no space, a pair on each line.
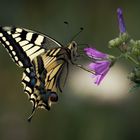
54,67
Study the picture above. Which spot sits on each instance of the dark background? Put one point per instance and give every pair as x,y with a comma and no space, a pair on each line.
106,112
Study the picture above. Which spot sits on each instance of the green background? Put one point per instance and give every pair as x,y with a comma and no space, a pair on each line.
73,118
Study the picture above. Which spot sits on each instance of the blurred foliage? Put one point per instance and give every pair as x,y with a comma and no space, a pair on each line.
71,118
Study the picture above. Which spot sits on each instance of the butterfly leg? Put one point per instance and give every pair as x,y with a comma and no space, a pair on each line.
82,67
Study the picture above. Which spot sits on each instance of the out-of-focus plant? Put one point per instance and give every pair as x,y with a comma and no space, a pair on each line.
129,50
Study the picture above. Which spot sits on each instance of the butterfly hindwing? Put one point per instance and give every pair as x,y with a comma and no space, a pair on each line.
51,72
29,81
24,45
32,87
56,66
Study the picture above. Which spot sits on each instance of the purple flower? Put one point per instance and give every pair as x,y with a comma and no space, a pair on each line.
95,54
121,21
100,64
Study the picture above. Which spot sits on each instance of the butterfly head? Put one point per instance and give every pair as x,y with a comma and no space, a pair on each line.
73,49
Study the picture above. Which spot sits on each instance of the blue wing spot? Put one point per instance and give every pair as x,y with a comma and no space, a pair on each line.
33,82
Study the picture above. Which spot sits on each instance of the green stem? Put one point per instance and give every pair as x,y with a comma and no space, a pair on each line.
128,56
133,60
120,56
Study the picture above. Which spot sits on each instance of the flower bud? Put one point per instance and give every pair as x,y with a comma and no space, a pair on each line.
121,22
119,41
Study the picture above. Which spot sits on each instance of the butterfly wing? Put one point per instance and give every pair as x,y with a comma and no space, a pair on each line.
24,45
29,81
51,72
42,77
57,70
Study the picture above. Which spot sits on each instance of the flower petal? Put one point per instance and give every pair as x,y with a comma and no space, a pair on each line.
100,77
97,80
99,67
93,53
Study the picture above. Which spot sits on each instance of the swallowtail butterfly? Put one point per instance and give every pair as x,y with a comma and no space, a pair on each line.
43,59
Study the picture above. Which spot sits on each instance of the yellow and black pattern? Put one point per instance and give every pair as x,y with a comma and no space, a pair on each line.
55,65
48,71
24,45
45,63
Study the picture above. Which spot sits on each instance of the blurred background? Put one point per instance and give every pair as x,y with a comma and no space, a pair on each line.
84,111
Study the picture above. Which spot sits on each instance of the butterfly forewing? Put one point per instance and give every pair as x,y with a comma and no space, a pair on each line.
24,45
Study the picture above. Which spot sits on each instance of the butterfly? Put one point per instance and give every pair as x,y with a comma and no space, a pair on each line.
45,62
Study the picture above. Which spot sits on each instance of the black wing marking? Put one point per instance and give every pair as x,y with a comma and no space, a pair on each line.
24,45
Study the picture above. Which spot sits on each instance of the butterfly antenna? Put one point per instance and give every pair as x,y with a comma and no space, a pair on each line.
31,116
81,29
